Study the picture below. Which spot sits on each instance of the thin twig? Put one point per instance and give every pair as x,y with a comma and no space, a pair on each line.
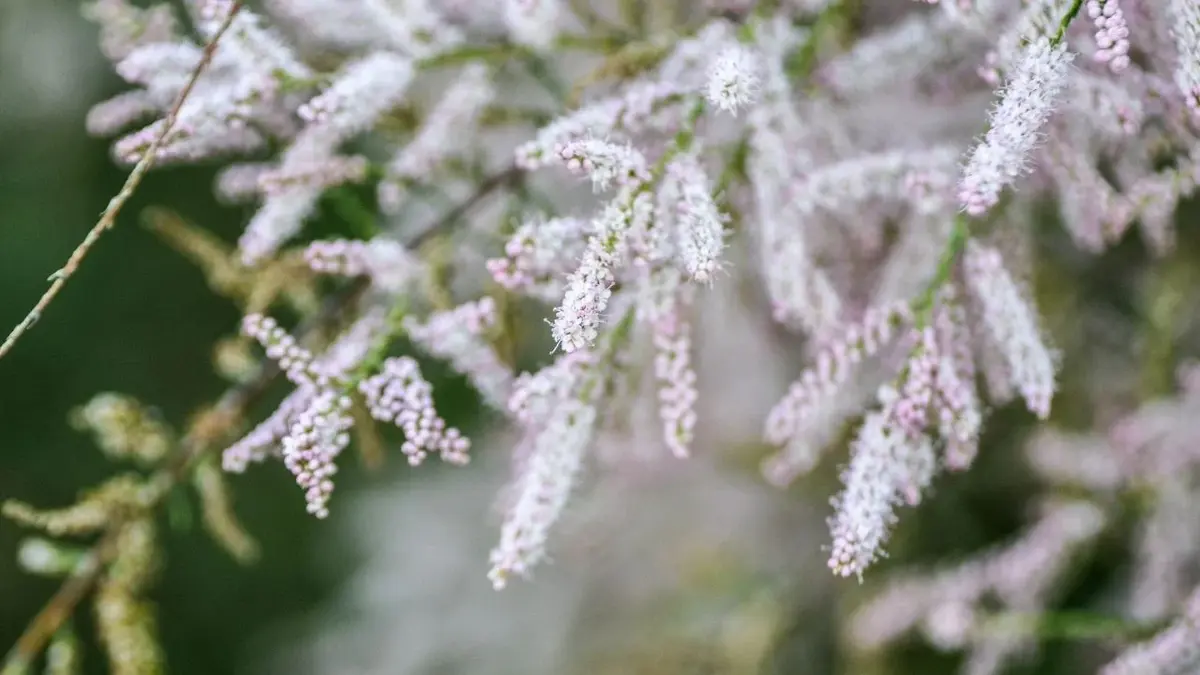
206,433
109,217
59,608
505,177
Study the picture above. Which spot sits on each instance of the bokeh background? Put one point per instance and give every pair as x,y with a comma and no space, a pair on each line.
393,581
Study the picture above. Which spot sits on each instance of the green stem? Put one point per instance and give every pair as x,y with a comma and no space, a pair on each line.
685,137
923,305
379,350
616,338
350,209
804,60
735,168
1070,625
1072,12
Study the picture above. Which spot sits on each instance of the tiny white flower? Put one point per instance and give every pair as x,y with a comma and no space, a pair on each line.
1025,104
733,79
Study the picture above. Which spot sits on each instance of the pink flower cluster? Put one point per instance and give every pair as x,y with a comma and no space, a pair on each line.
841,166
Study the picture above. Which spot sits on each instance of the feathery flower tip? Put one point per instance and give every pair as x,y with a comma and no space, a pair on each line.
734,79
866,507
542,490
577,319
1012,324
1026,102
363,91
605,163
700,226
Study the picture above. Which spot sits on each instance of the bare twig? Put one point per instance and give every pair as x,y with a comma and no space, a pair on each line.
109,217
505,177
206,433
59,608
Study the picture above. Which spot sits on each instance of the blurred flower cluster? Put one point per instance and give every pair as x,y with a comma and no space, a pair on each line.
871,181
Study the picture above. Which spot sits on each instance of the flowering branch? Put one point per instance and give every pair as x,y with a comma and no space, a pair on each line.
885,257
208,432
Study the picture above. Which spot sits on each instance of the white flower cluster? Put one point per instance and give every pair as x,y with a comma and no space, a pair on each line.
1025,104
858,189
